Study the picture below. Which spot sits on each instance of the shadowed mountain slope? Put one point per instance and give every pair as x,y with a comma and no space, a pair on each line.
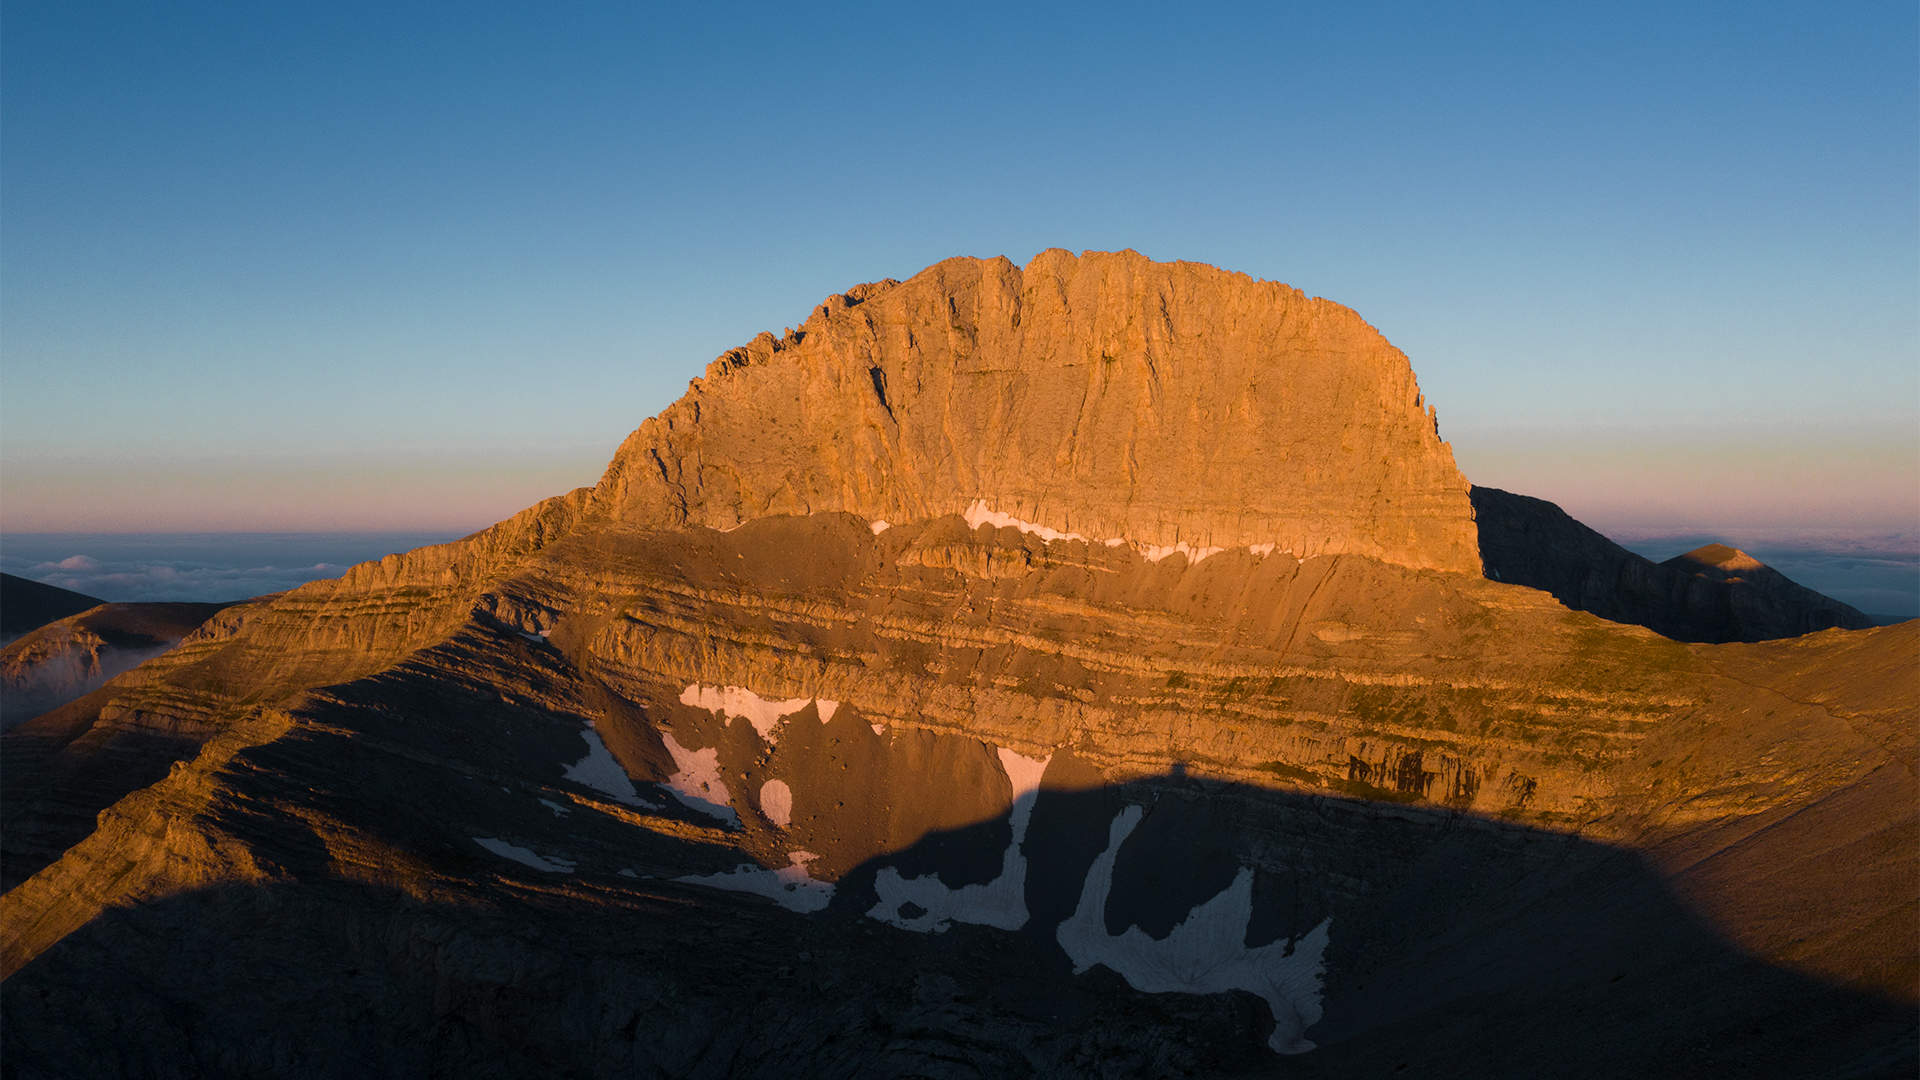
1717,593
1458,937
26,604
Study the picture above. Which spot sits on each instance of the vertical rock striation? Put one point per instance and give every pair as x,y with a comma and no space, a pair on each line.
1103,394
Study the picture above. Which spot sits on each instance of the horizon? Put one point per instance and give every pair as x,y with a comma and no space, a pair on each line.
1879,579
372,270
1811,538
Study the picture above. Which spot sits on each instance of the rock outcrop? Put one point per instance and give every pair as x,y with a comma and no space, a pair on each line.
822,740
1105,395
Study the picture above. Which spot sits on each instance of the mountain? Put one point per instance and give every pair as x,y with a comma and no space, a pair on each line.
1167,405
74,656
1715,593
1077,669
1759,601
26,604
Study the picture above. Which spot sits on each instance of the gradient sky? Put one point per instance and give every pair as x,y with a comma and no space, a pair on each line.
340,266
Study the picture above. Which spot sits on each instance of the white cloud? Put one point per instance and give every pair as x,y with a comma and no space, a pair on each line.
159,580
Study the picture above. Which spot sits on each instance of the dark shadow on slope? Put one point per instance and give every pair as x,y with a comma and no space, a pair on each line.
423,710
1532,542
1457,947
49,801
26,604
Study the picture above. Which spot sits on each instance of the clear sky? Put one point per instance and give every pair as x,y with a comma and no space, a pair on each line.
312,266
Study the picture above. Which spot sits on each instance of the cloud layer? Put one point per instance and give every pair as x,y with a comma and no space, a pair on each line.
199,568
1877,574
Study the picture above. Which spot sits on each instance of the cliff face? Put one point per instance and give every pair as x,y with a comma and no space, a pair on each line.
1105,395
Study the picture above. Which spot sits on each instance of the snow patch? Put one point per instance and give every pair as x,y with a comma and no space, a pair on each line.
1024,773
776,802
524,856
1262,550
530,636
879,527
790,886
878,729
1206,953
558,810
696,780
1000,903
601,772
980,514
764,714
1161,552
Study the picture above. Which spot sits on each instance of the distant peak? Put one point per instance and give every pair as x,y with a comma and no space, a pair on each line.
1722,557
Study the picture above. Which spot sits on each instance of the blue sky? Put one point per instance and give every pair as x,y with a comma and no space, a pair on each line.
349,266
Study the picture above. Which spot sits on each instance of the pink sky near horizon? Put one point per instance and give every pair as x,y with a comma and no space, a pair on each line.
407,494
1844,486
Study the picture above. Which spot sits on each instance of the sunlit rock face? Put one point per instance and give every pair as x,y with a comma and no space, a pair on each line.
808,745
1102,394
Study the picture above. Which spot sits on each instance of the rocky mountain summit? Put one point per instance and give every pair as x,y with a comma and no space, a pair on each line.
1720,558
1079,669
1759,602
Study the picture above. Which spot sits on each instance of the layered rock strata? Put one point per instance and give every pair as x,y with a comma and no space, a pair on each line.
648,781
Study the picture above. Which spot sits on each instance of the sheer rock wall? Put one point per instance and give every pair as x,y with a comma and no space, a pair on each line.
1104,394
